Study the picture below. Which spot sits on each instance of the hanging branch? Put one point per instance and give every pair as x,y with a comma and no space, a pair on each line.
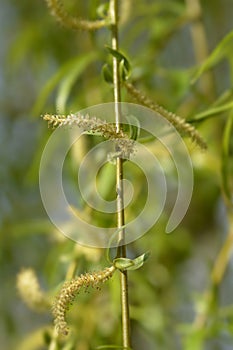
119,177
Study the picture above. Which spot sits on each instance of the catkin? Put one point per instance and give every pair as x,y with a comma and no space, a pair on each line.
68,21
124,144
69,291
180,124
85,122
30,291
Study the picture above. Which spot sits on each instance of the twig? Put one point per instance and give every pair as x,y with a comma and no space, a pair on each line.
119,176
218,272
200,43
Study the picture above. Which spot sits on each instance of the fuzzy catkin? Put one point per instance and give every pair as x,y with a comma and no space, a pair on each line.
124,144
178,122
69,291
30,291
86,122
71,22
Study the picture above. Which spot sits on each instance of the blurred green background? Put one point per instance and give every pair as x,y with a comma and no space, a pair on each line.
47,68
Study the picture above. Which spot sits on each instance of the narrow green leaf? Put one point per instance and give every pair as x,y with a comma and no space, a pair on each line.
102,10
223,49
23,44
134,125
107,73
31,227
124,65
53,82
139,261
156,8
112,238
225,97
124,72
227,159
211,112
146,139
119,56
128,264
70,78
123,263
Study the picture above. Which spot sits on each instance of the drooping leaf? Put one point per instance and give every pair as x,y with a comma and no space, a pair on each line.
211,112
70,78
223,49
139,261
102,10
123,263
227,159
124,65
134,125
77,65
129,264
107,73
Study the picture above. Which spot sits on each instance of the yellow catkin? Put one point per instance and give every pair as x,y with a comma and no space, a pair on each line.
30,291
124,144
69,291
68,21
85,122
180,124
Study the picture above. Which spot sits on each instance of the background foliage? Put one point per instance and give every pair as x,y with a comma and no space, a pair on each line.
176,301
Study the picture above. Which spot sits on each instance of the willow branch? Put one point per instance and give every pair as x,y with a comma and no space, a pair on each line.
200,43
119,177
218,272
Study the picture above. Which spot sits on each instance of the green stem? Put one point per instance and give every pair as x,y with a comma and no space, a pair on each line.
217,274
200,44
121,252
222,260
